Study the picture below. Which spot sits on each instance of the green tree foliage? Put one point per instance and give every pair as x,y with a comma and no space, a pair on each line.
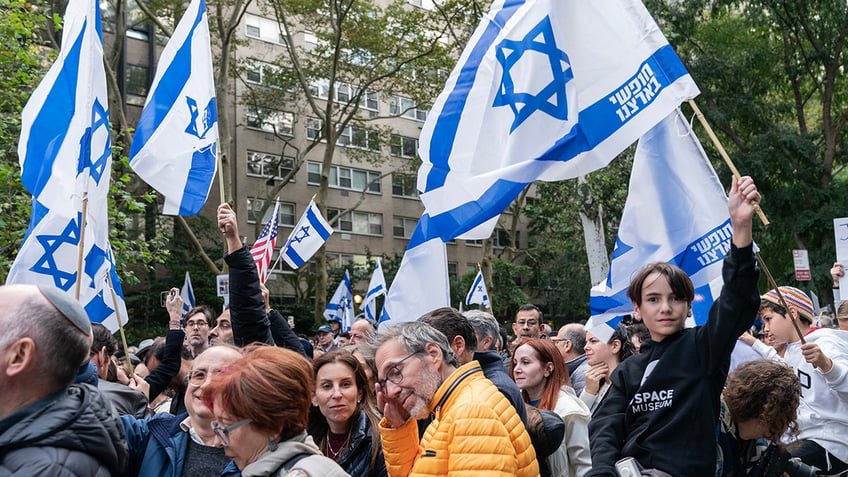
773,85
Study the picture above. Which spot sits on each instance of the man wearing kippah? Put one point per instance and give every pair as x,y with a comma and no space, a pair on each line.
822,366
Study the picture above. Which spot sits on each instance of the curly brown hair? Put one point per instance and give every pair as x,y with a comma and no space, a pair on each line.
766,390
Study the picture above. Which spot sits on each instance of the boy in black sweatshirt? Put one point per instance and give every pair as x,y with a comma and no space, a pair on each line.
663,404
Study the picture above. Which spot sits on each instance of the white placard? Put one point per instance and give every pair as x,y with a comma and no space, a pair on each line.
840,230
802,265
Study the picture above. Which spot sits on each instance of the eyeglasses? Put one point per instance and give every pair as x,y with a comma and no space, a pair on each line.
199,376
223,433
196,324
527,323
394,373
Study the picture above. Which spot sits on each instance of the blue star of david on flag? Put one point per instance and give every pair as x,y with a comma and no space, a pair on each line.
210,117
551,99
99,127
52,244
302,234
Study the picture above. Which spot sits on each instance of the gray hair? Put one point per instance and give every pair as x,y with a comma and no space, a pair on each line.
413,336
484,325
576,333
61,348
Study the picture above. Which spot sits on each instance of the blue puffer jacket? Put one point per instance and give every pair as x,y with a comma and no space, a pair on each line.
158,446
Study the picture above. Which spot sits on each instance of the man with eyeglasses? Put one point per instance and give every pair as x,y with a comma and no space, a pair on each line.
198,322
183,445
474,427
528,323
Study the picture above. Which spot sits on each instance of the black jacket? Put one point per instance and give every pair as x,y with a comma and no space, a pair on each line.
493,368
247,308
70,433
356,459
667,419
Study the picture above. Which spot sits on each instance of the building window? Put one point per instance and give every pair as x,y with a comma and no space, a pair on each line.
501,238
254,208
263,164
403,227
361,138
453,272
406,108
260,28
404,146
269,120
474,243
313,128
344,93
364,223
257,72
136,84
346,178
404,185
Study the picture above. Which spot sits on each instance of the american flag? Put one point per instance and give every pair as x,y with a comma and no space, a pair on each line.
263,248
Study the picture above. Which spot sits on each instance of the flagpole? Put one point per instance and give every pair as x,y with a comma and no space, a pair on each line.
220,174
81,246
760,213
127,361
722,152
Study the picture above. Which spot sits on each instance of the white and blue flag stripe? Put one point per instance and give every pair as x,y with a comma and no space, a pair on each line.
310,233
546,90
65,151
175,144
676,212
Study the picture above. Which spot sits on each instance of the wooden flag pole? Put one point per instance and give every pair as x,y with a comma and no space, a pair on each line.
220,174
127,362
722,152
81,246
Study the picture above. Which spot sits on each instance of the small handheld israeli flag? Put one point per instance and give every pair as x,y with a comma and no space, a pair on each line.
478,293
340,306
187,295
376,287
308,236
175,144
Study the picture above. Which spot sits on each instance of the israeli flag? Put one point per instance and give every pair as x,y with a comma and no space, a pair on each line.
340,306
545,90
676,212
376,287
478,293
65,153
421,283
175,144
310,233
187,295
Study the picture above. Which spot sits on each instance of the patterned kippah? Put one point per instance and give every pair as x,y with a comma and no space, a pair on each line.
794,297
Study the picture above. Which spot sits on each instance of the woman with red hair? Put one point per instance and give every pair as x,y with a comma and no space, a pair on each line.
539,371
260,404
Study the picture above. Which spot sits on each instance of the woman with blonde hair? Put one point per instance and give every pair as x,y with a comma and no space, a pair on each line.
539,371
260,404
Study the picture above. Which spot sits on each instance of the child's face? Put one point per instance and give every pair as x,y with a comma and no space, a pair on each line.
778,326
661,310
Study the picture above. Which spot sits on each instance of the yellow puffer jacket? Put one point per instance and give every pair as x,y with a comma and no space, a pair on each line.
475,432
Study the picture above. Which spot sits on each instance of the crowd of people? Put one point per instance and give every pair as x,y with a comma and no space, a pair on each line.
446,394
